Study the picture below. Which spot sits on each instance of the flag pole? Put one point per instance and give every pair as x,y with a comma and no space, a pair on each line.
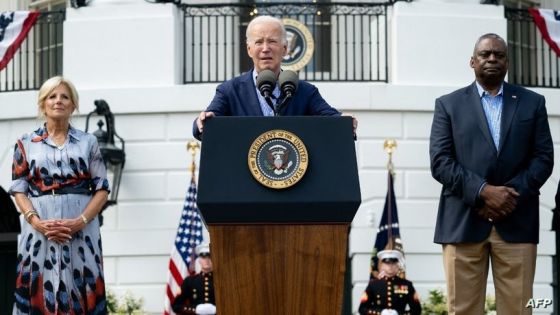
193,146
388,234
390,146
189,235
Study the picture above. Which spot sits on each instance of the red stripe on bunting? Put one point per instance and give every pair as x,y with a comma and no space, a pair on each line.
541,25
27,25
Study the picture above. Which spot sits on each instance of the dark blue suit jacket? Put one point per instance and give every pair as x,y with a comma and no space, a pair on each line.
238,97
463,156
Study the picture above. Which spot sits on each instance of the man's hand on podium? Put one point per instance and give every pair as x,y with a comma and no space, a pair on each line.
201,118
354,123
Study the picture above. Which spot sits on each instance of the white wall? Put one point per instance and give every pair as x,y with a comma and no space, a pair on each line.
10,5
433,40
106,56
122,45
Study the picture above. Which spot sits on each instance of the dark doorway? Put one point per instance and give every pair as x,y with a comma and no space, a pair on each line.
9,230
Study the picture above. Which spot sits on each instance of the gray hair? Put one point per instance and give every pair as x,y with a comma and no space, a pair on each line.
266,19
489,35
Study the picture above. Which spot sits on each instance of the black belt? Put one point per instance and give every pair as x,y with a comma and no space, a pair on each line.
63,191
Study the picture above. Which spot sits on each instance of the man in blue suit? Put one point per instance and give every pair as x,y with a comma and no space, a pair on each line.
266,45
491,149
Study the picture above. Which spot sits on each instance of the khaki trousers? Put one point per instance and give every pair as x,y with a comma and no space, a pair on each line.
466,272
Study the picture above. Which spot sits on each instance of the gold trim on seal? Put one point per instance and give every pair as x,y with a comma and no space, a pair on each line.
303,60
292,176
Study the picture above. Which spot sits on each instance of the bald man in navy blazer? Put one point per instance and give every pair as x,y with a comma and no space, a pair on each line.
266,45
491,149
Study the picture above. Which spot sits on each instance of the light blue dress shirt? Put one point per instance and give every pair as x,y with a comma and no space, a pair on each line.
492,106
267,111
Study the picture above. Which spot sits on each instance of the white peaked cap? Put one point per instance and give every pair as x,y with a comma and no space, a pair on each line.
391,253
202,249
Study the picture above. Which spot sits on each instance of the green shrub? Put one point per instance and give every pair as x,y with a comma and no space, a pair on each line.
112,302
436,304
490,307
128,304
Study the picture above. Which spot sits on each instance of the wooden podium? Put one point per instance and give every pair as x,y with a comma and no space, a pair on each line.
278,251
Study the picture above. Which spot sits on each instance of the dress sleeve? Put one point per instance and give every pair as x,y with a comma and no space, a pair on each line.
20,170
97,168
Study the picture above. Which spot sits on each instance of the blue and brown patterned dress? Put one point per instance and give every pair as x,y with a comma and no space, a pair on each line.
55,278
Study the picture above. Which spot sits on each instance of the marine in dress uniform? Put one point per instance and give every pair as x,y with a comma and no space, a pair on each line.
390,294
197,291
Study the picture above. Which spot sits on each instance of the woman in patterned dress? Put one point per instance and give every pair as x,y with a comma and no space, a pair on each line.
59,184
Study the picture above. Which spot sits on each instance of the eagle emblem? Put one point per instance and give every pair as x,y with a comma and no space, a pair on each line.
278,158
294,47
300,45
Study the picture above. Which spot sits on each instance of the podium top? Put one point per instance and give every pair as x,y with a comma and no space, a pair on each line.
329,191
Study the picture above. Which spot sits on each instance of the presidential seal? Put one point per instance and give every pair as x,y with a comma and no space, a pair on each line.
278,159
300,45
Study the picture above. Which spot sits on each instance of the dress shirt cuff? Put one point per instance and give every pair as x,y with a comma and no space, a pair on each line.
480,189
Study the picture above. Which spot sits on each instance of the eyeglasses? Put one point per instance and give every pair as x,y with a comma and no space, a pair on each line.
390,260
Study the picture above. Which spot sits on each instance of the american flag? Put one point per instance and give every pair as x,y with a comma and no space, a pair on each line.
189,235
388,233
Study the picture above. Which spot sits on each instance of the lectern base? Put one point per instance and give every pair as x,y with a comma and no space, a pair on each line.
279,269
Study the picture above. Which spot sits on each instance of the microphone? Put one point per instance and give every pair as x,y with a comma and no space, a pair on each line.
266,81
288,81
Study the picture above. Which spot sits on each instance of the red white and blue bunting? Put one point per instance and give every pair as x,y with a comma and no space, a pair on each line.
548,23
14,27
